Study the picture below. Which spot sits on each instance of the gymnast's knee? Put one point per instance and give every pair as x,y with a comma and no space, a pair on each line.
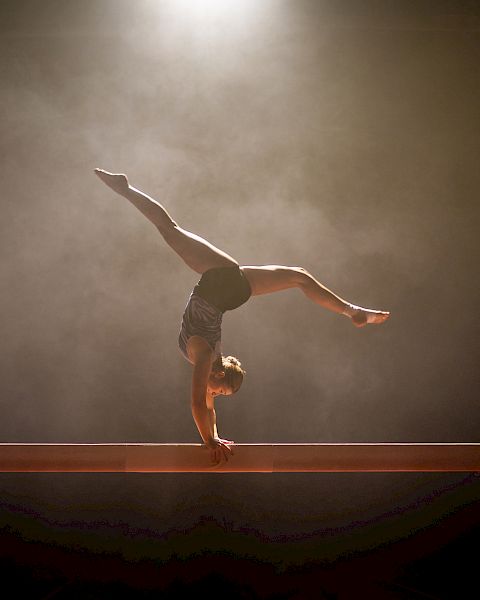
302,277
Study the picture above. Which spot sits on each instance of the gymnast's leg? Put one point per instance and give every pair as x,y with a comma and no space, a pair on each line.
273,278
195,251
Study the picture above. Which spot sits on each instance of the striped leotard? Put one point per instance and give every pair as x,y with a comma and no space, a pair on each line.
219,290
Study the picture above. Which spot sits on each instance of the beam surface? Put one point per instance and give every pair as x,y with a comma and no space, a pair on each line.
247,458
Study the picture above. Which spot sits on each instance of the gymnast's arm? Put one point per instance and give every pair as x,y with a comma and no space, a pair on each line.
202,403
213,421
212,416
200,411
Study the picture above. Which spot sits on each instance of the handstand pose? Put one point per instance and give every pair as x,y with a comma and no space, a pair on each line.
224,285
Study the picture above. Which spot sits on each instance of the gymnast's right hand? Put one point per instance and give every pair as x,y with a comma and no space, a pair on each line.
219,451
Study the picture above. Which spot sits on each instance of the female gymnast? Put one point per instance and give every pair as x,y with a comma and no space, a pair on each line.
224,285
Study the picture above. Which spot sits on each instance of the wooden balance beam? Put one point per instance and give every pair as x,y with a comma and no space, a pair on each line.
248,458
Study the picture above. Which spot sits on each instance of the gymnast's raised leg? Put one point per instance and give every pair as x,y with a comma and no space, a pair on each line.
195,251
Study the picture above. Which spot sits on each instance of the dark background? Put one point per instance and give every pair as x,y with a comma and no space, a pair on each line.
338,136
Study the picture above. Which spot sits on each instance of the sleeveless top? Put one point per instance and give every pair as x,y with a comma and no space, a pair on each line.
204,319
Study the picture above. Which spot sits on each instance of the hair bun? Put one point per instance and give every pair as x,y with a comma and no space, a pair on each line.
233,361
233,372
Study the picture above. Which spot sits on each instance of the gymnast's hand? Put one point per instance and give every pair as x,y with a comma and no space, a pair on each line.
220,450
229,442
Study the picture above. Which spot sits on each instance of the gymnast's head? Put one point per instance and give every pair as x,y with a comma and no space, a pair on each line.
226,377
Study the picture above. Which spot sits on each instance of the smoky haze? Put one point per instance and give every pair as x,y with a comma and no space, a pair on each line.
297,133
282,141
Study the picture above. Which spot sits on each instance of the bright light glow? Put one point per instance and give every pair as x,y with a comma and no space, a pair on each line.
213,32
218,15
213,8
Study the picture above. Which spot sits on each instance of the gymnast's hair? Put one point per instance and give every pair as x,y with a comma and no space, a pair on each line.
233,371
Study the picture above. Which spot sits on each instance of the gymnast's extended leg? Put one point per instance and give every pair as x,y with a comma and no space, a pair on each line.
199,254
274,278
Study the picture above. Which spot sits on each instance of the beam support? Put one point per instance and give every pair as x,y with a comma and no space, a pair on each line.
248,458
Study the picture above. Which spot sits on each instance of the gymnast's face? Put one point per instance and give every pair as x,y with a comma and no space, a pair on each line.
217,385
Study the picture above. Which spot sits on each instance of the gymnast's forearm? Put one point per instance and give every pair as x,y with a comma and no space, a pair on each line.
202,419
213,421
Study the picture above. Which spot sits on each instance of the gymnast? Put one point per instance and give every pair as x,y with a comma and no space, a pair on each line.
224,285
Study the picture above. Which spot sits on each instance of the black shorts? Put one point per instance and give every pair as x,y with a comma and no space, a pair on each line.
224,287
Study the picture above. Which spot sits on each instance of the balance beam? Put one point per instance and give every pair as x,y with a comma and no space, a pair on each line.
247,458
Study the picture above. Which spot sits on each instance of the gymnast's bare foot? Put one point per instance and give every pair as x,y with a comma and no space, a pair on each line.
118,182
364,316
